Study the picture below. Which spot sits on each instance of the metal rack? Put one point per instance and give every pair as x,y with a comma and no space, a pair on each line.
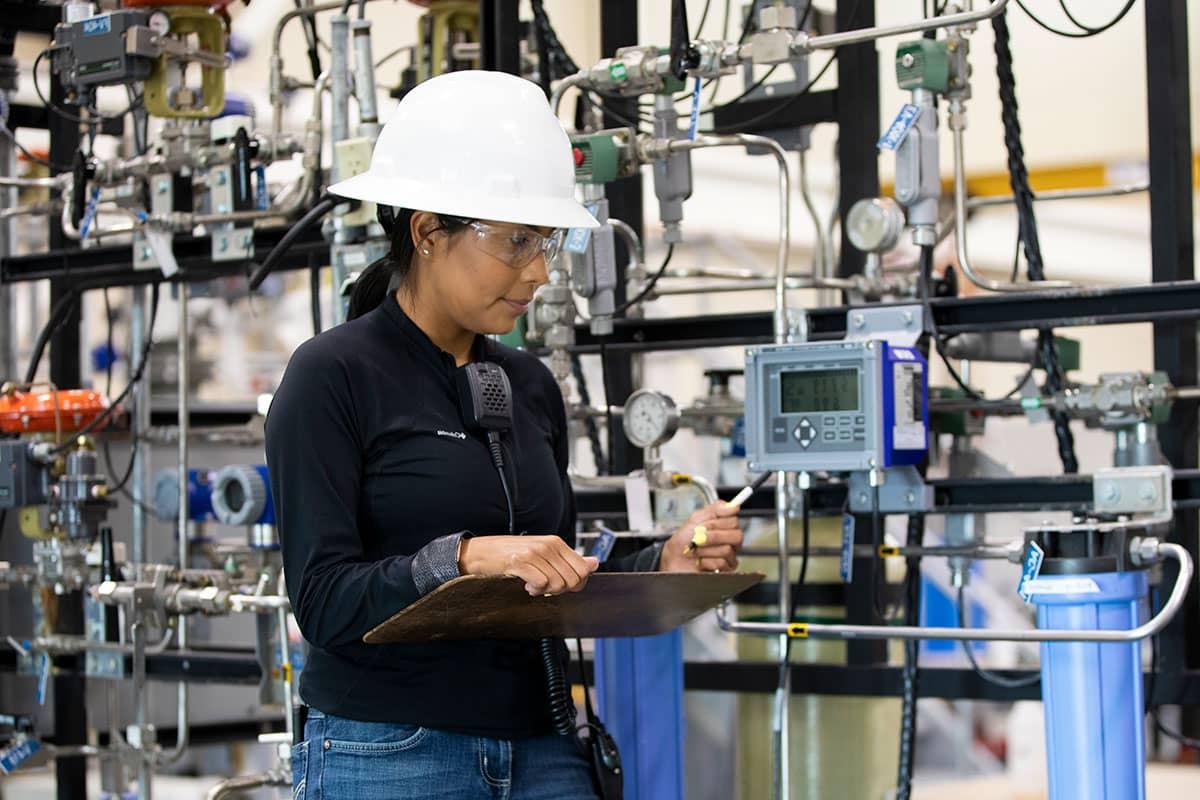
1171,304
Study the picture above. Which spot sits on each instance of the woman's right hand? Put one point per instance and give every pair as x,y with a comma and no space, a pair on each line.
547,564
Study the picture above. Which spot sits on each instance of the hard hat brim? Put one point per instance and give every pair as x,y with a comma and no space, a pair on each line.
551,212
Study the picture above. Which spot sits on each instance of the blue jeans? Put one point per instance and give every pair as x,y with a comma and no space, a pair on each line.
343,759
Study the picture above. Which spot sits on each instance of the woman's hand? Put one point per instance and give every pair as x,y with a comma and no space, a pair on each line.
718,535
546,563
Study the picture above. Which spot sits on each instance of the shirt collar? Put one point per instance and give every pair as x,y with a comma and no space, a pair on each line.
482,349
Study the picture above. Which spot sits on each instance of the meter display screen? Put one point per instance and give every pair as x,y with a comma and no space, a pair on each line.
804,391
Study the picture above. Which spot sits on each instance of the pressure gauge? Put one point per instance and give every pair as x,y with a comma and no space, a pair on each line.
651,418
874,224
160,23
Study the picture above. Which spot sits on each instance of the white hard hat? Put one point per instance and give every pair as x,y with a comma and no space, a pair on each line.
476,144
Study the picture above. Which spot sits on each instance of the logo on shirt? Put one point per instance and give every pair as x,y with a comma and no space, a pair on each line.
452,434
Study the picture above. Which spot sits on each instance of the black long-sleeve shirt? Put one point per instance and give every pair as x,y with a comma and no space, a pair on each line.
374,477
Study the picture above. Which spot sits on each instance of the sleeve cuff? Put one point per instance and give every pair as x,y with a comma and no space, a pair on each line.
437,562
649,559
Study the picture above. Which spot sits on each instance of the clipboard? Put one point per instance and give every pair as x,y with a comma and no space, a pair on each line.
611,604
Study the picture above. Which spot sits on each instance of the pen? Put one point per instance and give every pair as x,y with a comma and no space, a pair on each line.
745,493
700,532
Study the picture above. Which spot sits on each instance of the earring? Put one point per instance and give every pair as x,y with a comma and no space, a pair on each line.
425,251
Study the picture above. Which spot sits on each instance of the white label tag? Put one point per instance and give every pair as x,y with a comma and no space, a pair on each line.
1030,569
1061,586
908,426
160,244
899,128
846,567
637,502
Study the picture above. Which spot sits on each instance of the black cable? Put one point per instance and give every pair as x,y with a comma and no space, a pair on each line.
1152,709
794,605
962,384
806,541
1016,267
589,423
703,19
314,292
785,662
748,91
562,707
558,689
543,56
877,574
498,460
310,35
649,287
716,82
94,119
910,675
58,315
752,87
1023,197
320,209
608,415
753,121
990,677
1086,32
558,54
104,416
12,138
1186,741
120,487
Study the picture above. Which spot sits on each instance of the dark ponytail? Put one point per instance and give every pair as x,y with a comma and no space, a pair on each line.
384,276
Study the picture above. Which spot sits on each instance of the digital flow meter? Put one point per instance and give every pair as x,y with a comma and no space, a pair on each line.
836,406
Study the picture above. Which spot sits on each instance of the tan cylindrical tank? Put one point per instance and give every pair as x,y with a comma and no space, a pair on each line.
842,747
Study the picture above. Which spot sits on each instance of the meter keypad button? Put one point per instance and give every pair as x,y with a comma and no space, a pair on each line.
779,430
805,433
829,436
844,422
860,420
844,435
829,421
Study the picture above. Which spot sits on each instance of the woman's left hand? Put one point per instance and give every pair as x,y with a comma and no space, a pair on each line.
717,532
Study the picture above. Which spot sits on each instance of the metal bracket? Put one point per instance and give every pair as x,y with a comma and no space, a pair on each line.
797,325
232,244
897,325
903,492
1133,490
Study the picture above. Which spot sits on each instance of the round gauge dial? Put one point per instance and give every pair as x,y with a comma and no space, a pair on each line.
160,23
650,419
874,224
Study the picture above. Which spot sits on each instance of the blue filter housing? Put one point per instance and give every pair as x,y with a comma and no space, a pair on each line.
1092,691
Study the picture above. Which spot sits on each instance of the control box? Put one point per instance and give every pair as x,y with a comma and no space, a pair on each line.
836,406
105,50
22,479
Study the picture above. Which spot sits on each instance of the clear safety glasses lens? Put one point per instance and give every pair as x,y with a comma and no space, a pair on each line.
516,247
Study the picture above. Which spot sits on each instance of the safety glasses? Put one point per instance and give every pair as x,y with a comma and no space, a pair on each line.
515,245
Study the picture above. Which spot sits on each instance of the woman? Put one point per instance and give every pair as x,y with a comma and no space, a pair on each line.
383,493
